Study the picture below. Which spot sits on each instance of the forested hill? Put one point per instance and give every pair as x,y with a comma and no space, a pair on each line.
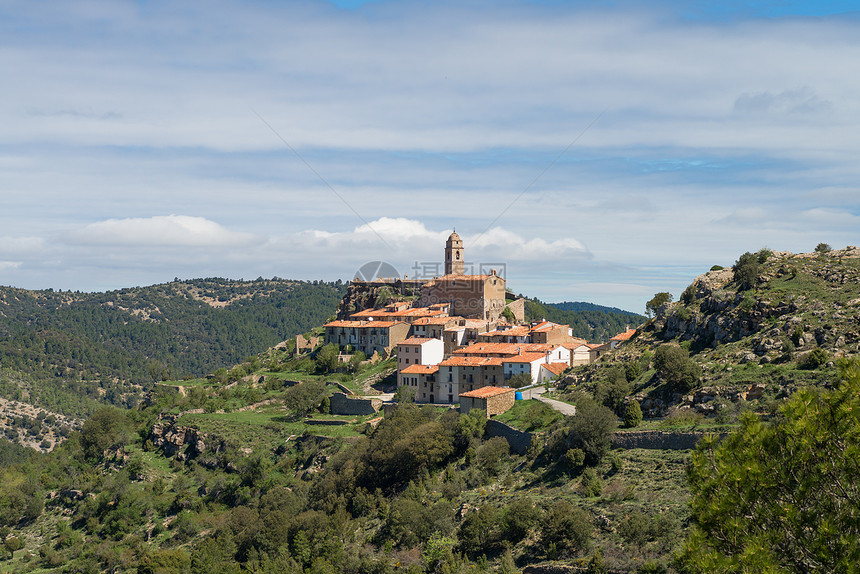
583,306
595,323
145,334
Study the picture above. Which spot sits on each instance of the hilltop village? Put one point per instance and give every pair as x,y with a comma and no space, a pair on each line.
461,335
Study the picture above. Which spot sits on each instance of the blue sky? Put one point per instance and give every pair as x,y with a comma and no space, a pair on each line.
599,151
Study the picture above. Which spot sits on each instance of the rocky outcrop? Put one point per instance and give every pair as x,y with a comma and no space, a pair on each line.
177,440
712,310
361,295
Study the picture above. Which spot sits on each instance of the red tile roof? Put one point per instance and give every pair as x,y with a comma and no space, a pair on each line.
547,326
470,362
371,324
556,368
405,313
487,392
434,320
420,369
417,341
524,358
624,336
344,324
504,348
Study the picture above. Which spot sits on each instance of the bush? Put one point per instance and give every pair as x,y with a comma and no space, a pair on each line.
591,429
816,358
632,370
591,483
574,458
613,389
107,428
520,380
632,414
491,455
566,526
746,270
676,368
822,248
518,518
717,268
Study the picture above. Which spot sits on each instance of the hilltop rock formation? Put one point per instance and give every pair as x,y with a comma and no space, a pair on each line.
799,301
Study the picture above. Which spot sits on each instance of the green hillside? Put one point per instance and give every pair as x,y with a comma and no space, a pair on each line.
106,345
248,471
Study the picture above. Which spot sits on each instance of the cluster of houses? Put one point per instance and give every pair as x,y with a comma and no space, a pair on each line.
443,355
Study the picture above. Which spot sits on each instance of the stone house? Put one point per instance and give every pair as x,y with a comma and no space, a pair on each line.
368,337
422,378
491,400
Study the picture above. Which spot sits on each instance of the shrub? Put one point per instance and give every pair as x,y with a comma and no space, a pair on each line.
591,429
717,268
796,334
492,454
518,518
632,370
816,358
746,269
676,368
107,428
613,389
574,458
822,248
520,380
689,295
591,483
636,528
632,414
566,526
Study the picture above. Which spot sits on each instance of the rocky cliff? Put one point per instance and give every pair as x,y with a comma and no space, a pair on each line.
796,303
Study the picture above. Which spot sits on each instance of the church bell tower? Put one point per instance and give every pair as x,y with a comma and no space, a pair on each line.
454,264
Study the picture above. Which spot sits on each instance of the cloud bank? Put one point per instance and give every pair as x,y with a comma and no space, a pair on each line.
587,145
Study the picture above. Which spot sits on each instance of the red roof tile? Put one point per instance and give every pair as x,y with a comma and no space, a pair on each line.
524,358
556,368
420,369
624,336
417,341
487,392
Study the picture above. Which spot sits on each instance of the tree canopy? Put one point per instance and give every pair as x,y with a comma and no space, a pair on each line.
782,496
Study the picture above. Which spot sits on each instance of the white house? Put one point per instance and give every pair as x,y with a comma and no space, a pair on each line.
419,351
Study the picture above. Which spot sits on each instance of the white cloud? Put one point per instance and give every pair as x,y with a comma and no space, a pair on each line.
423,116
164,230
9,265
21,244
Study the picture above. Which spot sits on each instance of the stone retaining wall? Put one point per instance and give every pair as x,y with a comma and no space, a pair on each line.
343,405
519,441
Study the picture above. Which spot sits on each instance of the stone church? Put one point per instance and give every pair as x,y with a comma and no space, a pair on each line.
470,296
